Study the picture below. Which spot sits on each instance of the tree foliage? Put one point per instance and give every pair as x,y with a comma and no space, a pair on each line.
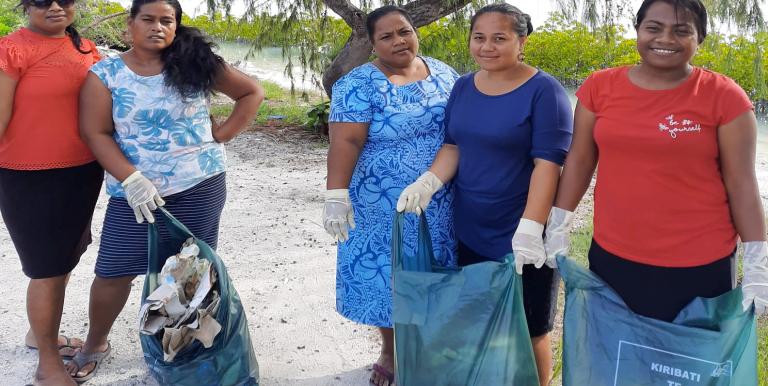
103,22
570,52
10,17
745,16
91,19
301,26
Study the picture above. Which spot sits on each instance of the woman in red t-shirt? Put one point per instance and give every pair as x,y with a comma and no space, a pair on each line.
49,180
676,185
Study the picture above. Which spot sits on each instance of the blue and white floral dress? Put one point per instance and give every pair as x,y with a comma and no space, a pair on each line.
404,134
169,139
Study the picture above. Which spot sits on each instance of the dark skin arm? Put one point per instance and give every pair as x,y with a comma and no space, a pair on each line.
7,92
347,140
96,127
247,94
541,191
737,142
580,163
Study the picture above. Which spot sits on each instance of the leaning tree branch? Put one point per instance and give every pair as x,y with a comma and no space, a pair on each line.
103,19
424,12
351,14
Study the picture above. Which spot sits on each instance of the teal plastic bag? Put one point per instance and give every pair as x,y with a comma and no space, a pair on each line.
231,360
712,342
459,327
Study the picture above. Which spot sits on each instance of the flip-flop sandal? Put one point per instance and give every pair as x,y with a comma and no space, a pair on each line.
67,345
383,372
81,359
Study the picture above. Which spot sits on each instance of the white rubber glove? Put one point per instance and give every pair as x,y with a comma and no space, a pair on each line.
755,282
557,239
338,217
528,245
142,196
416,196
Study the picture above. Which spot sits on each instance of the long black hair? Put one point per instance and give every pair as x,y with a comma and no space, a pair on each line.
71,31
521,22
695,8
189,63
378,13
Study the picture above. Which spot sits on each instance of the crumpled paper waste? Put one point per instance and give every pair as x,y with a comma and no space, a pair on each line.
184,305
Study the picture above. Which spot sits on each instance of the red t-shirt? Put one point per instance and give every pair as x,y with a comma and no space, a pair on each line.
659,197
43,131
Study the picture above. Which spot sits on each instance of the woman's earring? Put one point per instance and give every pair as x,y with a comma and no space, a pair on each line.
521,56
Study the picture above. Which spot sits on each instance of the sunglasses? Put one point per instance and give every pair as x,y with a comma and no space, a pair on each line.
44,4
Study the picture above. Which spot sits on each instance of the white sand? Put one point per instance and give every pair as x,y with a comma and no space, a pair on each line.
280,258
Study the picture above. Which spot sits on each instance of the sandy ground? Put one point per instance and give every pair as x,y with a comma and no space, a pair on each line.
280,258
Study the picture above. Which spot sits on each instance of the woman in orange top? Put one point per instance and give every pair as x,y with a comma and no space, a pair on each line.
676,185
49,180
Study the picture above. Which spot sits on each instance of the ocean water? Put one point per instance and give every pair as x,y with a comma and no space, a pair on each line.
268,63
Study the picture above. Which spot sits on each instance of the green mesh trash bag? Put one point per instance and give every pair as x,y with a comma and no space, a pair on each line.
711,342
231,360
459,327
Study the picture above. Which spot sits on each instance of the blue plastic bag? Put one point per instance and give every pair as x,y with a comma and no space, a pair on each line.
712,342
459,327
230,361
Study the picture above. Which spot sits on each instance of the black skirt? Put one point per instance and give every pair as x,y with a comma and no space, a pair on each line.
660,292
48,215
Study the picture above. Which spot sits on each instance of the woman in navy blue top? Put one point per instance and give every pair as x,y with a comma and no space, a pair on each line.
508,129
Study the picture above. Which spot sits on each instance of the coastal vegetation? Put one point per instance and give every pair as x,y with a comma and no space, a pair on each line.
567,49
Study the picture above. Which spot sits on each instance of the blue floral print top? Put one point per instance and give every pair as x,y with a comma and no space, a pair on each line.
166,137
405,131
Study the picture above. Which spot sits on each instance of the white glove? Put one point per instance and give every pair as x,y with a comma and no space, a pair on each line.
755,282
527,244
338,217
416,196
142,196
558,235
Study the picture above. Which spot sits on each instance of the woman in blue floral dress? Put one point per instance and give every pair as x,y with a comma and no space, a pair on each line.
386,126
144,114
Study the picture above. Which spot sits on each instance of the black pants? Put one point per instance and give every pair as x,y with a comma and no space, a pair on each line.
540,286
660,292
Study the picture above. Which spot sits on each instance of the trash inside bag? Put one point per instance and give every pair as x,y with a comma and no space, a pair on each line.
712,341
193,326
458,327
184,306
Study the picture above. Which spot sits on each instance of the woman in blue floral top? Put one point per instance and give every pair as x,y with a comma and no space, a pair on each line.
386,126
144,115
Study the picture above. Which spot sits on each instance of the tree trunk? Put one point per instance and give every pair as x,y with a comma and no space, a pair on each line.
358,47
355,52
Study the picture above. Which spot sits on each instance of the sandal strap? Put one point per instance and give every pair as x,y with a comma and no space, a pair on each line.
67,341
81,359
